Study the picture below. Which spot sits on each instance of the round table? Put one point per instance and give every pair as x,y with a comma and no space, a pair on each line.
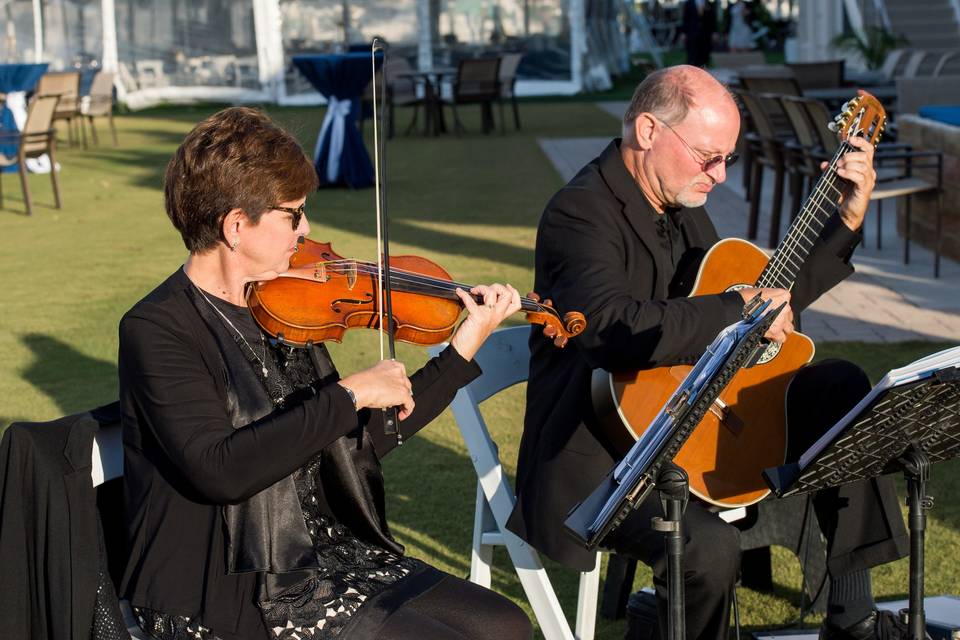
340,155
15,81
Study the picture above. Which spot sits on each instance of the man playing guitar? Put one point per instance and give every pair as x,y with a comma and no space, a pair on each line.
618,242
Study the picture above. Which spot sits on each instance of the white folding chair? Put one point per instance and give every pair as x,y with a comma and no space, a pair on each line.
504,359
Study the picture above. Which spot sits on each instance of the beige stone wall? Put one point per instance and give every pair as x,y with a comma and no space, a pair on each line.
924,134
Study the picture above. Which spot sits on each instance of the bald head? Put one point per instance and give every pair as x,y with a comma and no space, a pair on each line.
671,93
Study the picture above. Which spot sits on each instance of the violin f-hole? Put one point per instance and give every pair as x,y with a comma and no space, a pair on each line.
334,304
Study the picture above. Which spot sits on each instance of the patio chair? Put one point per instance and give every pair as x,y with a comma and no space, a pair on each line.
65,85
477,82
818,75
99,104
948,65
766,151
894,63
401,91
509,62
505,360
37,138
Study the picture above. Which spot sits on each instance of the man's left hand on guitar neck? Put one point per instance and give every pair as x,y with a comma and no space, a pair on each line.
856,167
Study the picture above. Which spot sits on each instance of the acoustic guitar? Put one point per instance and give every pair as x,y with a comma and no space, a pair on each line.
745,430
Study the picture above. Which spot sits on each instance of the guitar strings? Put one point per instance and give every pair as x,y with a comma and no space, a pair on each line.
791,249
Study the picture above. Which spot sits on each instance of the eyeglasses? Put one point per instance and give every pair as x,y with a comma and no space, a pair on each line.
296,214
711,162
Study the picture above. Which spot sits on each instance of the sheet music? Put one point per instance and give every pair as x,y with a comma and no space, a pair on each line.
917,370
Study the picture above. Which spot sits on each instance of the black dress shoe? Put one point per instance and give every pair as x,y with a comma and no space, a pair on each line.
879,625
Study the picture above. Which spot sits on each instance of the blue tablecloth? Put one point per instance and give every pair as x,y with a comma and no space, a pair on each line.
340,156
16,77
950,114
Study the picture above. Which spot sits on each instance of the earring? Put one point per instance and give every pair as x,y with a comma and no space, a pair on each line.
233,245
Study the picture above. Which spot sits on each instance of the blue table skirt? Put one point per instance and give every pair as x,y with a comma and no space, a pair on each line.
16,77
339,78
949,114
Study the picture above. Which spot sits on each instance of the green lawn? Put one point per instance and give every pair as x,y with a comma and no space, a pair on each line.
469,203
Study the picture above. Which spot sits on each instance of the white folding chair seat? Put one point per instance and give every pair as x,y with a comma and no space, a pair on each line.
504,359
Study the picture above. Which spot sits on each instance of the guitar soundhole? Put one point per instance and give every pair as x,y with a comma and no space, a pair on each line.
774,347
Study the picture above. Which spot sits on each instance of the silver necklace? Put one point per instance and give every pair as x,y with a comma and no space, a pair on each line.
263,360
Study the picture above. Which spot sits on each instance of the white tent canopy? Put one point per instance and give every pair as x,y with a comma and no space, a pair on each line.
240,50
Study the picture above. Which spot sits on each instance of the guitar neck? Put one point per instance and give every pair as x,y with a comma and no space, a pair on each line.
784,266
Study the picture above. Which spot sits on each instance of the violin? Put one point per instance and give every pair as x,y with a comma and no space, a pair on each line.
323,295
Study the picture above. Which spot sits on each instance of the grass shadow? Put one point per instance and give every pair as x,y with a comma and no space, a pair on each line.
72,380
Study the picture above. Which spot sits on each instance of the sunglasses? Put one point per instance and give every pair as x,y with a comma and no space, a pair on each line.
708,163
296,214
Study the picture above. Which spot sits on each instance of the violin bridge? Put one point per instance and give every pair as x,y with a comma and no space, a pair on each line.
320,272
351,273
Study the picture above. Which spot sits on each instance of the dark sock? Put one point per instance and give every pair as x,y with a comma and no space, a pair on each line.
850,599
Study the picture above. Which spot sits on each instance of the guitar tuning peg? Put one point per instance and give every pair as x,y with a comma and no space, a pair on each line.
833,127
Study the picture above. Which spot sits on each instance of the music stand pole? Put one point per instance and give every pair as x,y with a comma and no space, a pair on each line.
916,469
674,488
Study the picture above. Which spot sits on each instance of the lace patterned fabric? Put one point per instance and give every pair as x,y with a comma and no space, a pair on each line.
351,572
164,626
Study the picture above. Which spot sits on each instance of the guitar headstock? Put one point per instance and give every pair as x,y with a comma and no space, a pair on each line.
863,115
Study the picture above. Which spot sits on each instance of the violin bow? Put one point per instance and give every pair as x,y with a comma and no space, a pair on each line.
390,420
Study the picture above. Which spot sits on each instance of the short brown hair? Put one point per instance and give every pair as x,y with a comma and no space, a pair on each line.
664,93
235,159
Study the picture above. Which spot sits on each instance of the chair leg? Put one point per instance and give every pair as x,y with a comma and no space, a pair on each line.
54,178
938,240
879,224
113,129
755,188
93,133
481,558
22,170
796,192
587,603
906,235
748,169
413,121
503,121
516,111
776,205
83,131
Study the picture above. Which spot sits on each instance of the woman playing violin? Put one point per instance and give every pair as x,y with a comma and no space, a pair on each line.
254,501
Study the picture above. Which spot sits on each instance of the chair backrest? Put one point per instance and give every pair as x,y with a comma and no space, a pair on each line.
784,83
36,135
401,87
478,77
818,75
820,118
102,84
948,64
894,63
915,60
737,60
65,84
509,63
807,135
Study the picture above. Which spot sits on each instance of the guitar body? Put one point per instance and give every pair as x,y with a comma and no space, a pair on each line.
745,431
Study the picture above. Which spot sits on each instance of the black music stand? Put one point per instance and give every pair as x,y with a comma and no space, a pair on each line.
904,429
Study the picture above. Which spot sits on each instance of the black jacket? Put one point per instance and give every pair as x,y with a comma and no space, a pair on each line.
598,252
184,459
49,544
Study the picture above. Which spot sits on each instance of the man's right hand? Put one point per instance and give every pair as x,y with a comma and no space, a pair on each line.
783,325
381,386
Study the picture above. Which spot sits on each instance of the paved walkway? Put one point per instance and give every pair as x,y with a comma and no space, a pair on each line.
884,301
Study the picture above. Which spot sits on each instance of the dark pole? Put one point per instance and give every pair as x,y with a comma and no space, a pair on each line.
674,488
916,470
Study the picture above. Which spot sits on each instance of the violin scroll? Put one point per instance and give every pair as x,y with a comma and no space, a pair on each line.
558,329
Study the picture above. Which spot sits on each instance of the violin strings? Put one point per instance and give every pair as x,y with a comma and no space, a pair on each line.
427,283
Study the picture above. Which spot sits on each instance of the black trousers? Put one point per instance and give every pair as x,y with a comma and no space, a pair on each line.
861,521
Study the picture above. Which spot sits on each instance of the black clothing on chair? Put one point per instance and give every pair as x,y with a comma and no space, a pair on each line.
54,580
